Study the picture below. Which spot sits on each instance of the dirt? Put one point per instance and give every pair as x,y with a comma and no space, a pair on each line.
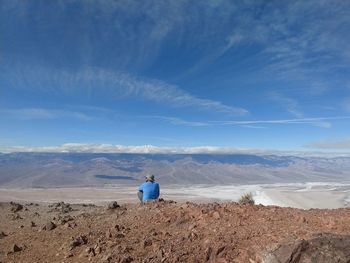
166,231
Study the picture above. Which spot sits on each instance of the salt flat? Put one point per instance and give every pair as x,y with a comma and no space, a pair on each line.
299,195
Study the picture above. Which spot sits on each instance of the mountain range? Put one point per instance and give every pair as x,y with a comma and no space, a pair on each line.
98,169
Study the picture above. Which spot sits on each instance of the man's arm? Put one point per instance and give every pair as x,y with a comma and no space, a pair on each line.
157,191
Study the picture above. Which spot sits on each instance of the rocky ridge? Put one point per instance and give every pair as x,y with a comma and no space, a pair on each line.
166,231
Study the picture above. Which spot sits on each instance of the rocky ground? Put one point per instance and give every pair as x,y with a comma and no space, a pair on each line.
165,231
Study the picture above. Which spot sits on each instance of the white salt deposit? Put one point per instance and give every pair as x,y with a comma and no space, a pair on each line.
300,195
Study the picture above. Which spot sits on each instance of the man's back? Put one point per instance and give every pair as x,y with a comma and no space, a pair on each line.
150,190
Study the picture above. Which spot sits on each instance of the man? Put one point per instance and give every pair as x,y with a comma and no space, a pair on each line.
149,190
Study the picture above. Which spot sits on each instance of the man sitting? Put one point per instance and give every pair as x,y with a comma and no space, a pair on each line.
149,190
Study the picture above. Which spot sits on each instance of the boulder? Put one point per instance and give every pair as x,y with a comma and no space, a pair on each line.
323,248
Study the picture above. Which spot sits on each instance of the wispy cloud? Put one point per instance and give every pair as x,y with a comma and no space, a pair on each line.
178,121
162,92
93,81
332,144
319,121
40,113
346,104
253,126
290,104
296,41
302,49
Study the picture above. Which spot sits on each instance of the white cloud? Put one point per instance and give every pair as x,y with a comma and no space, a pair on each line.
330,144
109,148
151,149
39,113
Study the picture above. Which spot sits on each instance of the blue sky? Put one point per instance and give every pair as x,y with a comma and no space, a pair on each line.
240,74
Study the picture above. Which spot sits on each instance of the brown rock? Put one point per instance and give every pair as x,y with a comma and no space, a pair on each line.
147,243
70,225
192,226
16,248
68,255
108,234
61,207
106,258
193,235
119,235
2,235
15,207
65,219
113,205
321,249
66,208
16,217
180,220
125,259
78,241
160,254
49,226
216,215
97,249
220,249
207,253
90,251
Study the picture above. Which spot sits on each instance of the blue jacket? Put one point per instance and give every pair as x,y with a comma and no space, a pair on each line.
150,190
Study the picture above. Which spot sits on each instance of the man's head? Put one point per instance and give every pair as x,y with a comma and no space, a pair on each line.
150,178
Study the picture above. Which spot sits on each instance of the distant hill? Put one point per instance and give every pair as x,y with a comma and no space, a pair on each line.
97,169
